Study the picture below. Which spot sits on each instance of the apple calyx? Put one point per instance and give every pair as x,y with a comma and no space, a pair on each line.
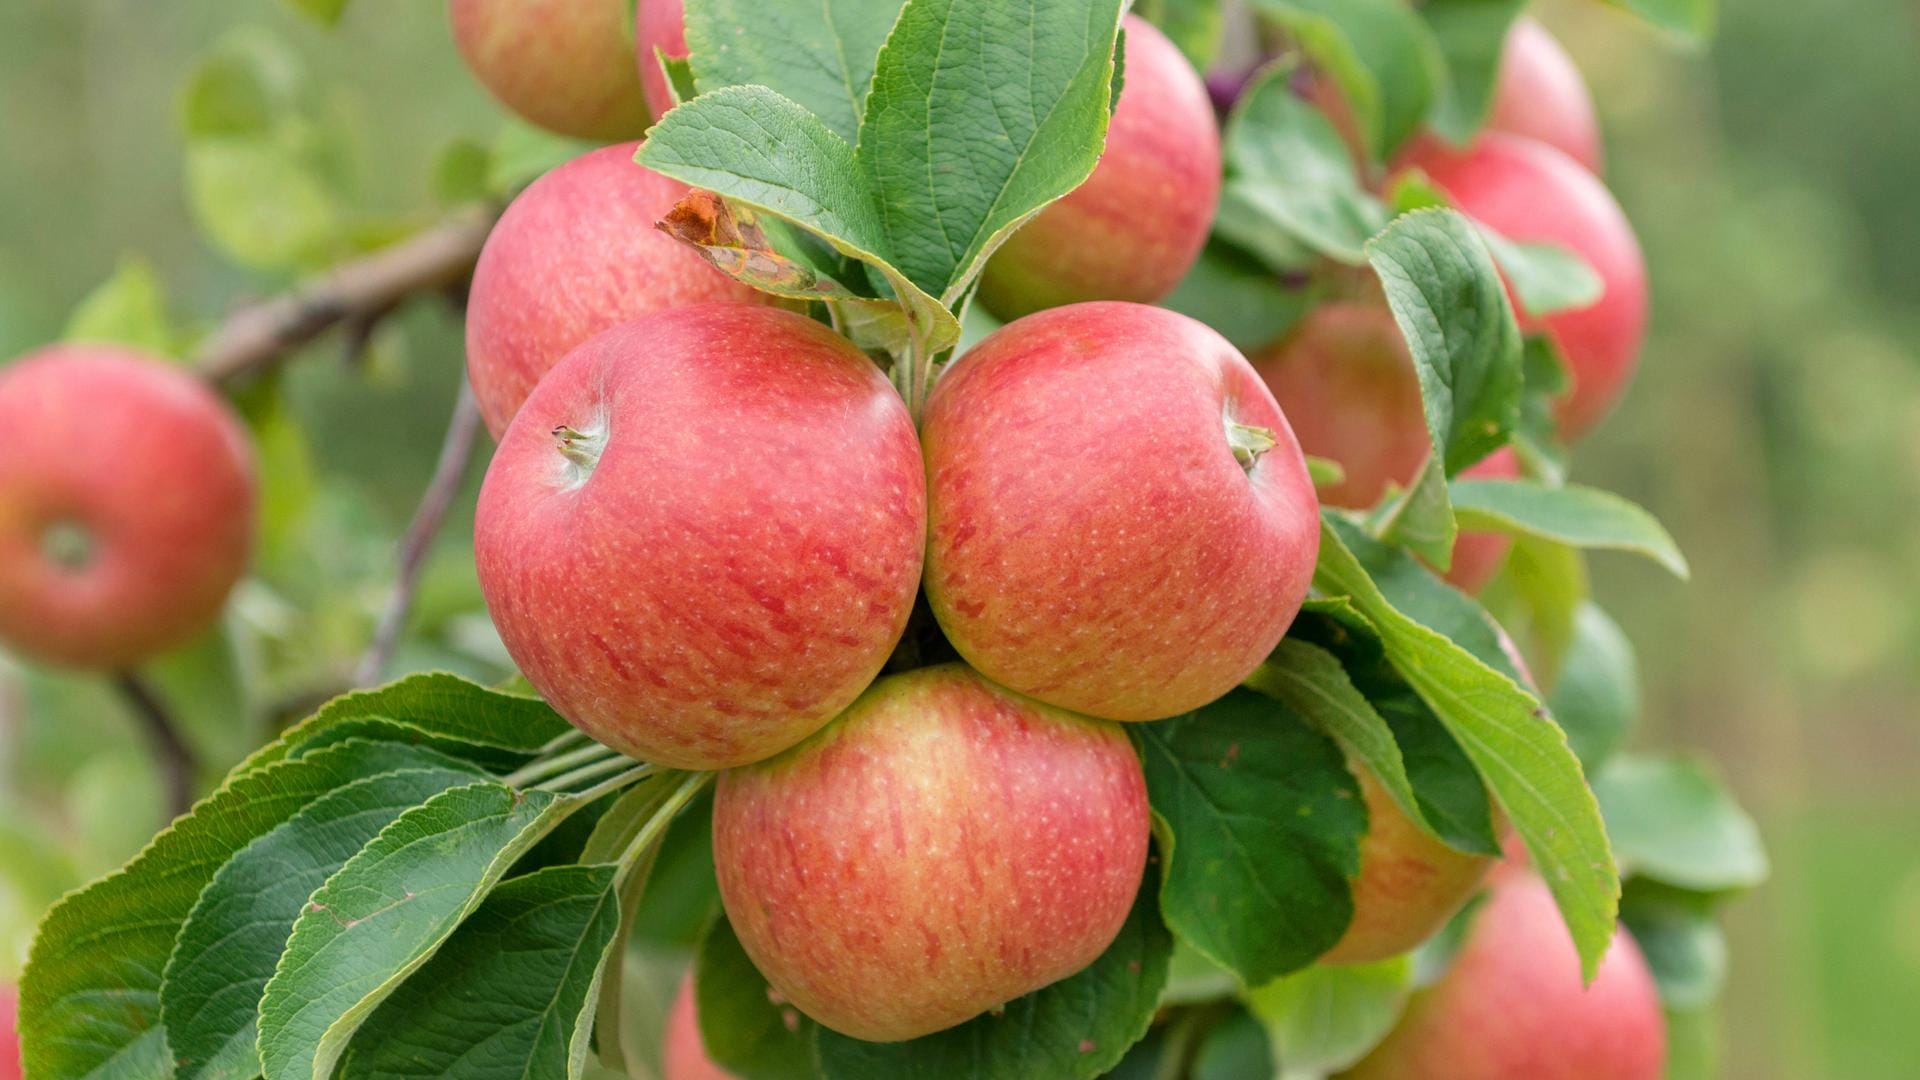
68,545
582,449
1249,442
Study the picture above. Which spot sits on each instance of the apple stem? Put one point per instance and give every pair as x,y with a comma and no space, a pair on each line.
581,448
1249,443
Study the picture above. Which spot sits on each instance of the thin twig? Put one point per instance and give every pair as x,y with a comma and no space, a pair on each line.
554,766
175,756
357,292
455,453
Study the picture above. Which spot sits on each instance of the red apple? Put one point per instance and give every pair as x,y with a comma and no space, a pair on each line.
1478,556
1512,1006
1541,95
943,847
1135,227
126,506
702,535
684,1057
9,1033
1120,520
1528,191
1345,379
566,65
577,253
660,25
1409,884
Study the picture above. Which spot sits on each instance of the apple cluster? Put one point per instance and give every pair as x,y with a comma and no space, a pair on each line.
714,538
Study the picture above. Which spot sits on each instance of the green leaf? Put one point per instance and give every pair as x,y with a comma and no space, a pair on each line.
90,999
1415,592
384,914
1075,1029
1233,1049
1671,820
1451,799
965,138
1324,472
129,308
1450,306
1537,597
1196,26
1310,681
1520,752
227,950
1546,278
460,172
1537,434
1597,696
1447,298
1238,296
750,145
1327,1017
1192,978
1472,37
747,1031
509,995
1382,57
262,202
246,86
1579,516
1289,171
1683,945
1260,827
324,12
679,72
1690,20
819,56
443,711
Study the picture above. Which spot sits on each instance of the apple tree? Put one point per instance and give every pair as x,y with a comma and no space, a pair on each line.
1021,541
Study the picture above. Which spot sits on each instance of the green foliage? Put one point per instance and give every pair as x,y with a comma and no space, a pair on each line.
1578,516
129,308
1597,695
1471,35
1688,20
746,1031
1673,822
1236,295
893,197
227,949
822,61
1311,681
513,984
1447,299
1327,1017
1381,58
1259,826
1290,179
1522,755
324,12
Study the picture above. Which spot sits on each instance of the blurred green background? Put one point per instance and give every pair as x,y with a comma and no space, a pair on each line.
1775,427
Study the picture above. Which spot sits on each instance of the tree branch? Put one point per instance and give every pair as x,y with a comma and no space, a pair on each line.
455,452
356,292
175,756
